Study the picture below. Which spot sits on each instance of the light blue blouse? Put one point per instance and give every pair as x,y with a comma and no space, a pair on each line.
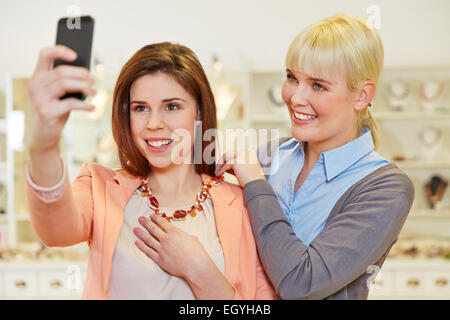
333,174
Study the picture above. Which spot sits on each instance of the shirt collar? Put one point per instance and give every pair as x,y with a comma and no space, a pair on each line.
339,159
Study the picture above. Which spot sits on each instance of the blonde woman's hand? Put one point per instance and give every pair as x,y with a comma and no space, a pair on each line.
48,113
243,164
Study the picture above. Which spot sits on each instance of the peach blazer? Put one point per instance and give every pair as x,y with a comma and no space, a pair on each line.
91,209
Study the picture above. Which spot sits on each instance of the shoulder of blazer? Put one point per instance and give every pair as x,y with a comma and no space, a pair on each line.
98,169
226,192
98,172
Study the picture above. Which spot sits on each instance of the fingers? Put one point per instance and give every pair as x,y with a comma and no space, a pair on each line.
226,163
64,85
150,252
74,72
152,228
161,222
50,54
75,104
147,238
224,168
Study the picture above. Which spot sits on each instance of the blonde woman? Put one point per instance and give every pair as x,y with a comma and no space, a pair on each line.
332,206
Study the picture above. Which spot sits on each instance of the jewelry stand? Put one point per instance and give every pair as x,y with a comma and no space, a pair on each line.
431,94
435,189
431,139
398,95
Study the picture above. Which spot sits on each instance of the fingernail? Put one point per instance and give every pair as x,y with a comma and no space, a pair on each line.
72,54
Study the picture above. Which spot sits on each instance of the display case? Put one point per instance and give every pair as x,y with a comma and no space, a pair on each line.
411,107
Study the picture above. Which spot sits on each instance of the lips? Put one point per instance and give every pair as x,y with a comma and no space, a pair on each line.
302,118
158,144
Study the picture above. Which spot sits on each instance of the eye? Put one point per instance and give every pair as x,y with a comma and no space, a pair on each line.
290,78
140,108
172,107
318,87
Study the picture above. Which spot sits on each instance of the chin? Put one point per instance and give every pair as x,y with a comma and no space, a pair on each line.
160,163
302,134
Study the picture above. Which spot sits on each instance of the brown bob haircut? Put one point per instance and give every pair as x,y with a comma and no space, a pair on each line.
183,65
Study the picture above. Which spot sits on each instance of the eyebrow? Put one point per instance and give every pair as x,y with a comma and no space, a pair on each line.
165,100
313,78
320,80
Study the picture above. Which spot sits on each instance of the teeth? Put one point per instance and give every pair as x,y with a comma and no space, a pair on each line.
302,116
160,143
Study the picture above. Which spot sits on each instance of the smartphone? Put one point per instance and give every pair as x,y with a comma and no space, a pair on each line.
76,33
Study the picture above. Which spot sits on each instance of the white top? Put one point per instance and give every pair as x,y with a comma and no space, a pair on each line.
133,274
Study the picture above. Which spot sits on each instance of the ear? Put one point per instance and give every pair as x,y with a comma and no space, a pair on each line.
365,95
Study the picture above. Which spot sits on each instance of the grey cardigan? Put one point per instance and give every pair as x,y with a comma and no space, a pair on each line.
359,232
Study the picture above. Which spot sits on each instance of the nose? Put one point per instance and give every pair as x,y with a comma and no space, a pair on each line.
155,121
300,96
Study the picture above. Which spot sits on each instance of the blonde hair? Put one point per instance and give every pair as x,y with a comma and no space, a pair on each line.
340,45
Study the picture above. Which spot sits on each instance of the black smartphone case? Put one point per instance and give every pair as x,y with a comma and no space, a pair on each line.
76,33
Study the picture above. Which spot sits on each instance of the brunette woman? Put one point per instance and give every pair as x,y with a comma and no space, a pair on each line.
162,227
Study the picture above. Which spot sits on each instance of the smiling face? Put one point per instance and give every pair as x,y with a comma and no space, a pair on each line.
322,110
162,116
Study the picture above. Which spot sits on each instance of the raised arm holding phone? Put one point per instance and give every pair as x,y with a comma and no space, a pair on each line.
195,240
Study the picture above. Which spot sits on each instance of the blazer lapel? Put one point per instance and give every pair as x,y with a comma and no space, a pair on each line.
118,193
228,217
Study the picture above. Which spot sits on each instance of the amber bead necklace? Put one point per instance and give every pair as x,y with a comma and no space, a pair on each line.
179,214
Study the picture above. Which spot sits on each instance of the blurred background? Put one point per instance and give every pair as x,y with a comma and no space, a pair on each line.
242,46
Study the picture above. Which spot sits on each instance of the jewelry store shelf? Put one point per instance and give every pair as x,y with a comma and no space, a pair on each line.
421,164
2,125
263,118
3,166
429,214
19,217
411,115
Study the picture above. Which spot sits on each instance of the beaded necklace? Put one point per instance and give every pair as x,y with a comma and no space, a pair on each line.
179,214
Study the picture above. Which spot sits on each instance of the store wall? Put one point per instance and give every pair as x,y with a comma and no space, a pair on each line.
252,33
